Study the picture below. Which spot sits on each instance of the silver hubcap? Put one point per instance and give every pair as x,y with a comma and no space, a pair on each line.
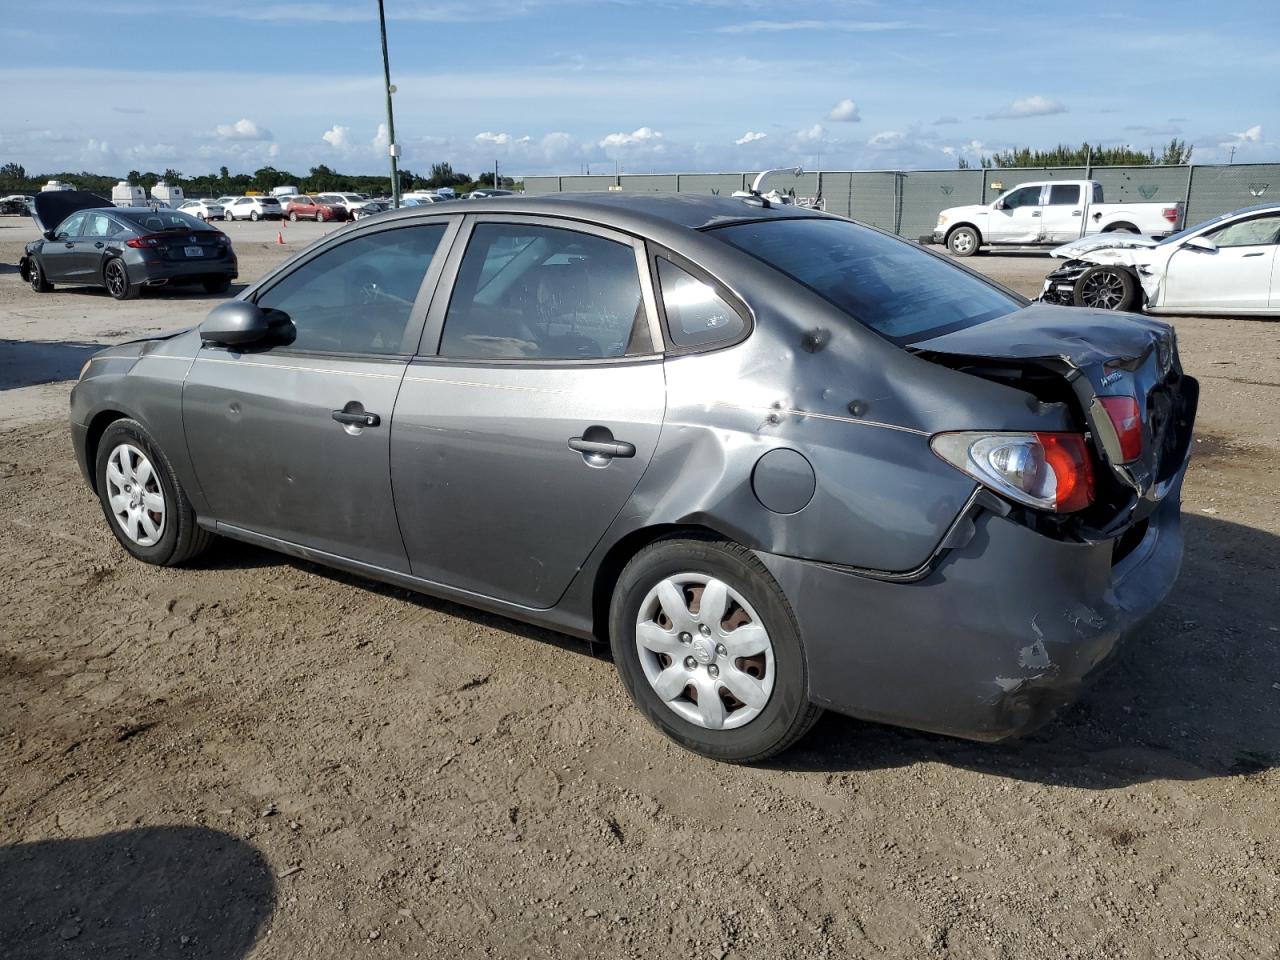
962,243
1104,289
704,651
133,490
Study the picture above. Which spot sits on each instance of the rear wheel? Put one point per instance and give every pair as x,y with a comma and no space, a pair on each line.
963,242
1121,228
1106,288
145,505
708,649
35,275
116,279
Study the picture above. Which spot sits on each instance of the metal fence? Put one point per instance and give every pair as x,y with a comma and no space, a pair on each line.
907,202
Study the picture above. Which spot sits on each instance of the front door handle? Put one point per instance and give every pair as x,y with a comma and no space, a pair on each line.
69,245
603,446
1255,254
1035,213
353,418
99,244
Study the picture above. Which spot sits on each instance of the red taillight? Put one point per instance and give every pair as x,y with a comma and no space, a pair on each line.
1170,214
1068,456
143,242
1126,418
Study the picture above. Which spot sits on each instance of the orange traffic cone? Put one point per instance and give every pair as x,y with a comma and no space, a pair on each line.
279,237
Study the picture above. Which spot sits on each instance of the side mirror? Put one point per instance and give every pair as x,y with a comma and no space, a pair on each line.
998,205
50,235
235,323
1203,244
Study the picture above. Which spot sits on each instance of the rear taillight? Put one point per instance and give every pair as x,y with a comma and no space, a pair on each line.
1170,214
139,243
1127,419
1049,471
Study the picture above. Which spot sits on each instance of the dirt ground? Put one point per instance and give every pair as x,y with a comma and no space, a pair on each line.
256,757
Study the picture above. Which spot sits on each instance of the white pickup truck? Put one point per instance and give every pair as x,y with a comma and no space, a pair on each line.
1049,213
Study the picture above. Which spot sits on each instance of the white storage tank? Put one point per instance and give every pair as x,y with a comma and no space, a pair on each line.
285,191
125,194
167,195
56,185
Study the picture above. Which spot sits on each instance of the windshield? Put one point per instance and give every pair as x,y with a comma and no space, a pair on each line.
158,221
891,286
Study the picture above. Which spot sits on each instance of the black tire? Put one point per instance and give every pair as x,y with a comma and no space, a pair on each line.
1106,288
786,716
253,215
1121,228
217,286
181,539
963,242
36,277
115,277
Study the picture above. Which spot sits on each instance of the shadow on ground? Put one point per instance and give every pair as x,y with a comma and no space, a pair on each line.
1193,695
153,892
24,363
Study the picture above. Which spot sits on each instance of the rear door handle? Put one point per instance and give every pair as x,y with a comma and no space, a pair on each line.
603,448
356,419
1077,213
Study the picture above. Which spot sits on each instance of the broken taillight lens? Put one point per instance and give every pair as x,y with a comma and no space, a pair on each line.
1127,419
1049,471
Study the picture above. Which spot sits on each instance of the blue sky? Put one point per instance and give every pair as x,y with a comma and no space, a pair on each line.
560,86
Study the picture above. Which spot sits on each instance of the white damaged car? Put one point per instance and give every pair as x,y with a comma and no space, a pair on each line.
1227,266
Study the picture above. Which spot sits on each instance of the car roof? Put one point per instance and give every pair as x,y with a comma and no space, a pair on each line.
638,211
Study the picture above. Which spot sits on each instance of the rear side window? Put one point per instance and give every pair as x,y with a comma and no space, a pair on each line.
889,285
697,316
544,293
99,225
1064,194
356,297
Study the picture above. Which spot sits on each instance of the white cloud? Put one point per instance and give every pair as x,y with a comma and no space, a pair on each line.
811,134
751,136
846,111
499,139
887,140
943,121
1036,106
243,129
644,135
1252,135
844,26
381,140
338,137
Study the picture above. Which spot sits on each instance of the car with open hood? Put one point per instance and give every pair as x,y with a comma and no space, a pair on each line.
1226,266
87,242
779,461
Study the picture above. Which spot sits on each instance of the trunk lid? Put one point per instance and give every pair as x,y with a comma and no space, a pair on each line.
191,245
51,207
1094,354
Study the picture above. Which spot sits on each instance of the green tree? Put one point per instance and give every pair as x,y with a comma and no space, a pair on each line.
133,177
172,177
13,176
443,175
1177,153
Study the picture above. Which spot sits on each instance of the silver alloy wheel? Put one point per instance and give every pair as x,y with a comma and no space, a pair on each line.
1103,289
117,279
705,651
135,495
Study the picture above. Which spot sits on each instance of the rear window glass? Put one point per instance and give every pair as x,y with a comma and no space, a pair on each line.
159,220
891,286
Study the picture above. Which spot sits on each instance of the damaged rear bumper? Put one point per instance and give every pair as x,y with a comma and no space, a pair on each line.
1005,632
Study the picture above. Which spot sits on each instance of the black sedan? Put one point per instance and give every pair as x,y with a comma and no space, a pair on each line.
123,248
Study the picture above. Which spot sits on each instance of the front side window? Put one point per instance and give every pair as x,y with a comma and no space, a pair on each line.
70,227
544,293
889,285
1258,232
697,315
1064,194
1023,197
356,297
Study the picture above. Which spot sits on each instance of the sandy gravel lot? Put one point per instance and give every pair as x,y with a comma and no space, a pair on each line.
256,757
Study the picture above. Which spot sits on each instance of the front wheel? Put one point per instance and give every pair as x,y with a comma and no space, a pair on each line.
293,216
963,242
145,505
1106,288
708,649
253,215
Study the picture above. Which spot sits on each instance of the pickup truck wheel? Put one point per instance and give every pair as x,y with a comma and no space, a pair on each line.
1106,288
1121,228
963,242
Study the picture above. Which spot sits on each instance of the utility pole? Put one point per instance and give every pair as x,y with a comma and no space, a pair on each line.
392,149
496,182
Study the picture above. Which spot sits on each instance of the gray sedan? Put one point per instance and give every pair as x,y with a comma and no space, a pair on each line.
778,460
